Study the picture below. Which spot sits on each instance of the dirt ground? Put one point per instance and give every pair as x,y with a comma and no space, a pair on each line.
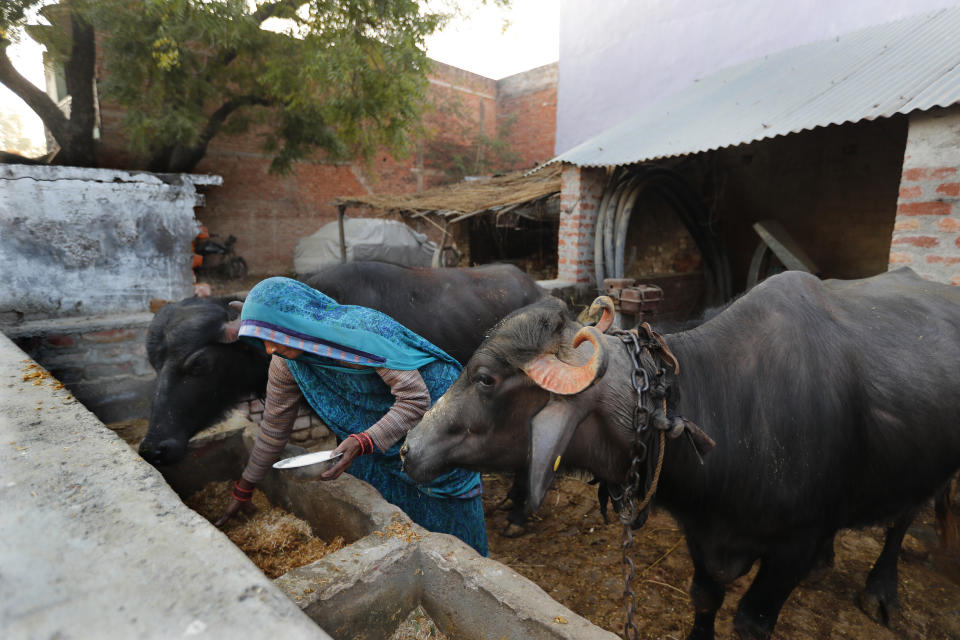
576,559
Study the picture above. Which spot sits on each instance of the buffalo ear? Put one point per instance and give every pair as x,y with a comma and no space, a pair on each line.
230,332
550,432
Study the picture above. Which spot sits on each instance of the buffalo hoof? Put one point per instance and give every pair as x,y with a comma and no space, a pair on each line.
880,608
504,505
513,531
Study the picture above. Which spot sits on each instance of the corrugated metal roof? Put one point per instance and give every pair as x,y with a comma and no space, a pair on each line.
880,71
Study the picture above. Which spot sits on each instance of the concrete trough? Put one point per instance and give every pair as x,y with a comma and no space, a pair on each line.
94,542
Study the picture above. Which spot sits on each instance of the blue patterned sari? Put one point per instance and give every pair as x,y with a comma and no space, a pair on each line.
351,400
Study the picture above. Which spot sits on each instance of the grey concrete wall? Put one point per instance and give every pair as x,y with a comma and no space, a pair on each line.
94,544
93,241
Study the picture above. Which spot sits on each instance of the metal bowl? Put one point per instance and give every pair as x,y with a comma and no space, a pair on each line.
318,461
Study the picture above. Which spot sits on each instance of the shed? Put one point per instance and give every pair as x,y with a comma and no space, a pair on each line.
511,217
846,146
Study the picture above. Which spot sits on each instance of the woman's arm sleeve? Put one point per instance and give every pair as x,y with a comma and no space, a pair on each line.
279,413
412,401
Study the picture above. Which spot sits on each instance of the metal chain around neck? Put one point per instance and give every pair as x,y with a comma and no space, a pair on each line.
629,510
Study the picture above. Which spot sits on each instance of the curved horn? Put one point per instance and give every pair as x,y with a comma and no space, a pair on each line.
605,304
231,329
556,376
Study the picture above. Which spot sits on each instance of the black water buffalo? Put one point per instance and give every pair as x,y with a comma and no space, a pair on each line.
199,377
832,404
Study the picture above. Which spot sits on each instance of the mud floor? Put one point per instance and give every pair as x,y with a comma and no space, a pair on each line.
275,540
576,559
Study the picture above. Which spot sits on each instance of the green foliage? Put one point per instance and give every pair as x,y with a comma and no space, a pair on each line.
13,17
345,76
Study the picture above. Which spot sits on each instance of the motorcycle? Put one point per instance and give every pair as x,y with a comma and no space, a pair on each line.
217,259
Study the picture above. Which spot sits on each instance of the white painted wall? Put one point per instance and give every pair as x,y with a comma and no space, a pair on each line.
616,55
93,241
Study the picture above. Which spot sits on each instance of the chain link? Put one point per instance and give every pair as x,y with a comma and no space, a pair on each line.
628,508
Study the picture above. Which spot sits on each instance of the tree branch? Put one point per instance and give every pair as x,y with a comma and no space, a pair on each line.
271,9
185,159
35,98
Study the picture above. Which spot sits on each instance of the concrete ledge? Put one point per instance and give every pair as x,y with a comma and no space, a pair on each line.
93,543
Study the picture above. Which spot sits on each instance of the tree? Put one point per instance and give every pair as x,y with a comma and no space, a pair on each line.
74,46
344,76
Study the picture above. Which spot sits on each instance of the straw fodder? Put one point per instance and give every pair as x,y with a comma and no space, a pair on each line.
418,626
468,197
275,540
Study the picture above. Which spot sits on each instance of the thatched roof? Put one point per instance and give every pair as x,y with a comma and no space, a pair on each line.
520,192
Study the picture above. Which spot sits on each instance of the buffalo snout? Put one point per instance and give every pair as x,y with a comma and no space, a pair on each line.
165,452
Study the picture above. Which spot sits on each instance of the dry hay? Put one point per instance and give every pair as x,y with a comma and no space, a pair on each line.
399,530
132,431
576,558
274,539
468,197
418,626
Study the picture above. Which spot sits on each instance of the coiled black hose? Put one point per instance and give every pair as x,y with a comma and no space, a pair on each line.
613,220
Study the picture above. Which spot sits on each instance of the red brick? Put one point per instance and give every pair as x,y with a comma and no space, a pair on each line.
949,225
911,192
60,340
936,208
906,224
949,189
111,335
955,281
900,258
943,172
943,260
917,241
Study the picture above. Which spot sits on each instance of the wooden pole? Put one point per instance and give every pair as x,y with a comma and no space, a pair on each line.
343,243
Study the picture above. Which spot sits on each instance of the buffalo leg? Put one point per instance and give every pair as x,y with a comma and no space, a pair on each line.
782,567
879,598
706,594
515,503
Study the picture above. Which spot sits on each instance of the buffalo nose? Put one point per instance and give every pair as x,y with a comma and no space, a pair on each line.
166,451
152,453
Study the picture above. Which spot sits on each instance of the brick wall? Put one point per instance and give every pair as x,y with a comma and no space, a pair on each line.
308,429
102,361
581,190
926,233
527,104
269,213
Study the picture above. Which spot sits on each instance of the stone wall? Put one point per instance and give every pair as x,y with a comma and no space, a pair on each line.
926,234
101,360
80,242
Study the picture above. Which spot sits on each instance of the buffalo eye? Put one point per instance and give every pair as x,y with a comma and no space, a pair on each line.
484,380
196,364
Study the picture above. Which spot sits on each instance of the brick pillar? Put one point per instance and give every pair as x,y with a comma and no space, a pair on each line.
580,193
926,234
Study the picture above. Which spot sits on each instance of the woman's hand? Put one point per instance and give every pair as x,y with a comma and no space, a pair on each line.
351,449
237,505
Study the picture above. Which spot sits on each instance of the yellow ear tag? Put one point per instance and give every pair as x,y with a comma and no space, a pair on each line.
556,464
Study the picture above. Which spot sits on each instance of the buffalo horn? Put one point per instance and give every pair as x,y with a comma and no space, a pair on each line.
556,376
231,329
605,304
